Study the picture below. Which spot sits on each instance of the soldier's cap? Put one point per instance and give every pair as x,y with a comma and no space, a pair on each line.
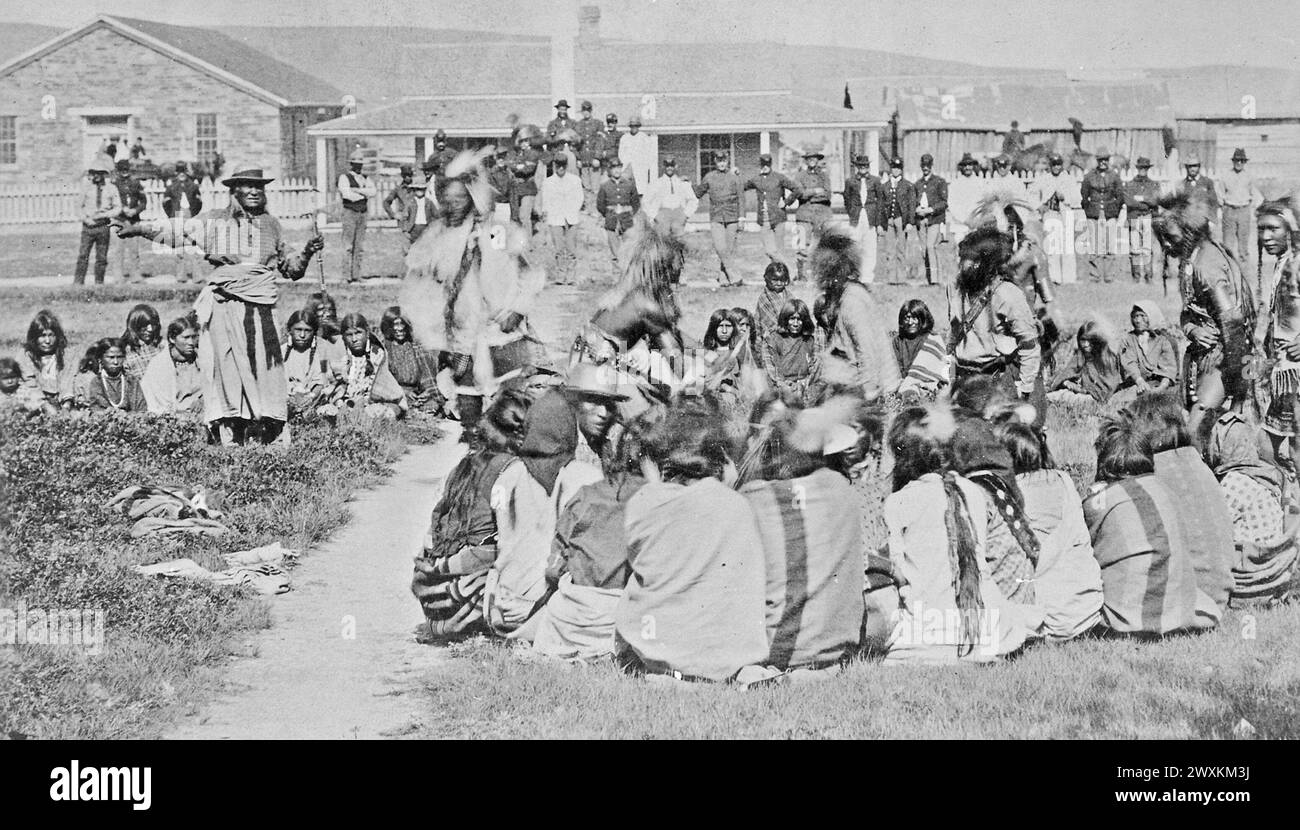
182,166
419,182
720,155
1102,153
503,150
926,159
356,157
616,162
814,153
896,162
439,135
560,160
765,159
861,160
431,163
1239,154
612,118
966,160
406,169
1142,163
123,164
1054,158
1001,161
1192,160
561,104
586,106
668,161
634,121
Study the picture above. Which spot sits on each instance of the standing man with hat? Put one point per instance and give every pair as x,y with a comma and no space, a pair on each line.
100,205
1141,194
131,192
862,204
1058,194
617,201
772,188
245,392
931,216
588,146
813,190
561,122
726,198
404,197
182,201
561,200
637,150
1196,186
897,210
421,209
964,193
1102,194
609,140
670,201
1239,195
438,160
356,191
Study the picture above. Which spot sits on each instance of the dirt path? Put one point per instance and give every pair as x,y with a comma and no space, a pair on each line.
309,679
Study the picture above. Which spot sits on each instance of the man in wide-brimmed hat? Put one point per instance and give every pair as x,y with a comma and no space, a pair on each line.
245,391
131,191
813,190
100,205
964,192
1141,194
775,189
561,121
1239,196
1102,194
402,198
356,191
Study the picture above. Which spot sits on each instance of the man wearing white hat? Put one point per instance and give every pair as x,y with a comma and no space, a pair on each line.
356,191
100,203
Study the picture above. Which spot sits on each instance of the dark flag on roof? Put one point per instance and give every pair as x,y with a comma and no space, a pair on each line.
848,102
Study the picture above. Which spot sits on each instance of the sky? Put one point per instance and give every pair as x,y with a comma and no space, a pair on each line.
1084,35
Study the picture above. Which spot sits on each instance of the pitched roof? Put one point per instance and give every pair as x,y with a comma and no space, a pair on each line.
674,113
1037,106
224,58
1219,91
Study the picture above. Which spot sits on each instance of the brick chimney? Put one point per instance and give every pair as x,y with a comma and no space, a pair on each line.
589,25
564,36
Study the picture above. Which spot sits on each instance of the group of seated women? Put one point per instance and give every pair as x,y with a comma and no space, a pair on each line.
332,366
698,554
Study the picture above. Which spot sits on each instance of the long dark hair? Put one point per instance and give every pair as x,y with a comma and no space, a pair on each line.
689,444
136,318
988,249
391,315
715,320
95,353
796,308
1160,419
46,320
743,315
918,451
921,311
356,320
836,261
303,315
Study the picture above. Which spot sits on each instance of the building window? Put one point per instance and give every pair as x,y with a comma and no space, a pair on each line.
205,136
8,139
710,144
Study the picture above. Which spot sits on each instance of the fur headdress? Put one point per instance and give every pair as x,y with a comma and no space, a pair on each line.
836,259
469,169
988,250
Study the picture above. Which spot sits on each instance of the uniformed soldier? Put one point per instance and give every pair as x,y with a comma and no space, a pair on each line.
617,201
1102,195
771,187
931,215
438,160
813,189
588,158
1141,194
1202,186
861,203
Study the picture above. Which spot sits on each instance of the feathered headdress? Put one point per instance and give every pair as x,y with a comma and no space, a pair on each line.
1009,212
469,169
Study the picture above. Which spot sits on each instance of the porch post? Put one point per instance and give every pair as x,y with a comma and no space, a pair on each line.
765,142
322,172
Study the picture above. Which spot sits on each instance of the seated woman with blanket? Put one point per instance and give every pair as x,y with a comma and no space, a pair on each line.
461,545
695,605
45,370
143,338
411,366
950,609
792,354
528,498
1149,580
1094,373
1067,580
588,569
364,382
172,384
102,382
1266,551
812,540
306,365
923,359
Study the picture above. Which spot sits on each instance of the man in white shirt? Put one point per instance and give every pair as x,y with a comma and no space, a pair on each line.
1058,196
964,193
637,150
671,200
561,204
356,191
1239,196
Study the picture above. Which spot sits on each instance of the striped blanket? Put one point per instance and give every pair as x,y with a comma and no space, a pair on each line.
812,542
1149,579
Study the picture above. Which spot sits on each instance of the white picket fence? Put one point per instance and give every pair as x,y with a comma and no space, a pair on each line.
44,203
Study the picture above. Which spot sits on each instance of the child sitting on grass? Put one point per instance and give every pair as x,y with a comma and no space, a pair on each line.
142,337
102,381
1149,580
42,363
364,382
14,396
791,353
1094,373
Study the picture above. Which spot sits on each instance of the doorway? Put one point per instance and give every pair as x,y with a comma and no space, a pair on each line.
99,130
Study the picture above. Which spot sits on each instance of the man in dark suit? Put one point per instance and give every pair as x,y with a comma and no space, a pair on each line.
897,202
1102,195
931,215
861,194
